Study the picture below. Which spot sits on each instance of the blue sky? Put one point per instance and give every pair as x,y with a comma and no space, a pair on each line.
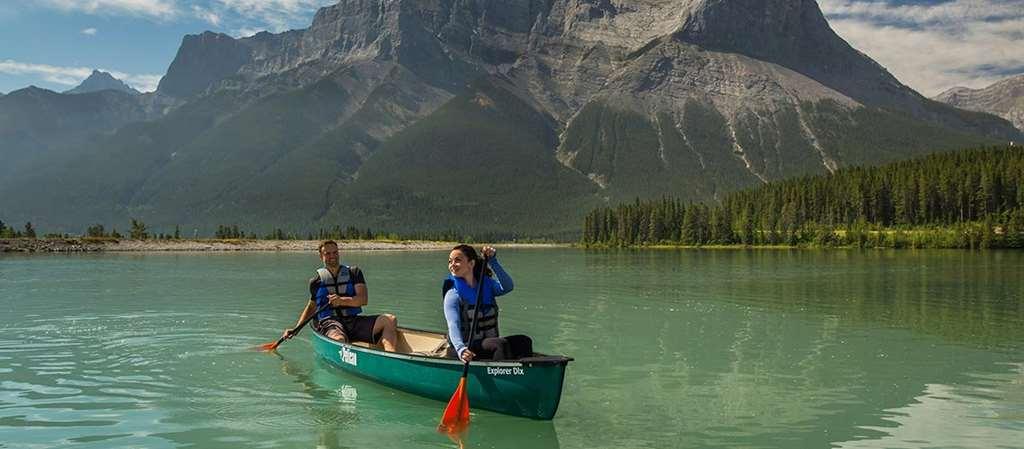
930,45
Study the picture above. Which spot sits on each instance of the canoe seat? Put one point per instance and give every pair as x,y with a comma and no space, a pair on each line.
439,351
416,342
411,341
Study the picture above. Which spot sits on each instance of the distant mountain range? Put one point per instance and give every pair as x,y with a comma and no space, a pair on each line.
477,117
42,128
1004,98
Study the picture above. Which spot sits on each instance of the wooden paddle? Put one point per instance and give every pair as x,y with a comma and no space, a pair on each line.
267,347
455,418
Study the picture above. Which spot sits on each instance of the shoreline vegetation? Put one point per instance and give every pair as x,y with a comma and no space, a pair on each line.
228,238
968,199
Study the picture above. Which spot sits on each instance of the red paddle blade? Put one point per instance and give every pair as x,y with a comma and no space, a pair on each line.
456,415
266,347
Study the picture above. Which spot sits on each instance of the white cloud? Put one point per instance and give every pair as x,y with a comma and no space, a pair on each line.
206,15
246,32
240,15
157,9
273,15
141,82
89,31
68,76
931,48
948,13
73,76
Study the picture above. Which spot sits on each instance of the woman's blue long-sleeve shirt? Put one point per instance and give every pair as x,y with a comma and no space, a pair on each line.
502,285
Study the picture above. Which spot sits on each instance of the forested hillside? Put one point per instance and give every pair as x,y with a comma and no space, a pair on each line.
961,199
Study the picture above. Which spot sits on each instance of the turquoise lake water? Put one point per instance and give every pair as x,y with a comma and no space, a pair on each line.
673,349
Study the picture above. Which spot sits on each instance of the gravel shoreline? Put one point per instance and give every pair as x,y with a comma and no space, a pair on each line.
84,245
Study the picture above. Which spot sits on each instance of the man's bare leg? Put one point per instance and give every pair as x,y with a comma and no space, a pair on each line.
334,334
387,325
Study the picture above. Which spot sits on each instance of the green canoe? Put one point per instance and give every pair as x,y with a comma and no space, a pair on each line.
530,387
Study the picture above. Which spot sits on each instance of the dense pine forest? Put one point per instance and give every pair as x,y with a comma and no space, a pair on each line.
963,199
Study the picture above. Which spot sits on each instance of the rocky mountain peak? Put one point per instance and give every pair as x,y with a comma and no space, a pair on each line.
793,34
202,60
100,80
1004,98
954,95
446,41
32,91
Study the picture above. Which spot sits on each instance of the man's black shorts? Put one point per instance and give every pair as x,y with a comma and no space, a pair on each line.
355,328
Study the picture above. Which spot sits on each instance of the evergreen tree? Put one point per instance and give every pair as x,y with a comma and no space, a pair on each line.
655,226
138,230
747,226
95,230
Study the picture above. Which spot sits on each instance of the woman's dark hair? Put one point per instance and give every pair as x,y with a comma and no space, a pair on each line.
471,254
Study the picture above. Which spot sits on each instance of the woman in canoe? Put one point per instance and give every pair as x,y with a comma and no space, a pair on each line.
460,295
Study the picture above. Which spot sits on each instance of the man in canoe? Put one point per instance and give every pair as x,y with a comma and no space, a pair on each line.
339,293
460,293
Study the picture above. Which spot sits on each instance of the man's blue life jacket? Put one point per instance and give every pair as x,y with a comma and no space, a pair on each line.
342,285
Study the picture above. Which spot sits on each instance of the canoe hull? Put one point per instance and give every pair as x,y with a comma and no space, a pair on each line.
530,387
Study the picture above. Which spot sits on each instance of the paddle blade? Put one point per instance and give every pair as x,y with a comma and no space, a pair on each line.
456,415
267,347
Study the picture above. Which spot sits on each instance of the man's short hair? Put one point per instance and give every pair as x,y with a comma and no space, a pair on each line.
324,243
